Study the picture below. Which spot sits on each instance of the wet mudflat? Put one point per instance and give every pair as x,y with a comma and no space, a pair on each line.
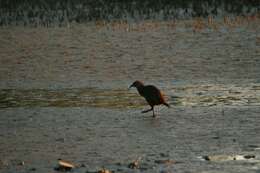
99,137
64,95
114,55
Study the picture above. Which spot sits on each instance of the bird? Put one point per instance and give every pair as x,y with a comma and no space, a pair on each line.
152,95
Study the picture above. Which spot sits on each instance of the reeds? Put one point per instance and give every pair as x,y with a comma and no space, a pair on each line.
49,13
197,24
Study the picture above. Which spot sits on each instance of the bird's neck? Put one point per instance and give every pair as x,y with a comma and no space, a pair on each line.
140,89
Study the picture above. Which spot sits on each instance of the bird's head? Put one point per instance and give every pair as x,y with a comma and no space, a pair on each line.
137,84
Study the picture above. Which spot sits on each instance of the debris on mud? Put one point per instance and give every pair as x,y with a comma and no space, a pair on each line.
164,155
134,164
217,158
64,166
166,161
103,170
21,163
33,169
249,156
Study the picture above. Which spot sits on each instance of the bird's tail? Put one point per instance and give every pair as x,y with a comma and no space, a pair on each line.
166,104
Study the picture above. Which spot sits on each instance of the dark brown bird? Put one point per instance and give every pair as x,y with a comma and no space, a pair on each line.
152,95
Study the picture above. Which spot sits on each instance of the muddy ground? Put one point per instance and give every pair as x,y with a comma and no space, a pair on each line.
64,94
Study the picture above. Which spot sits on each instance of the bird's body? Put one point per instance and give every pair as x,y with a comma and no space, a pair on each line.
152,95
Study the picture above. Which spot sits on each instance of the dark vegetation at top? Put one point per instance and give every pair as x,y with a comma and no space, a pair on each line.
47,12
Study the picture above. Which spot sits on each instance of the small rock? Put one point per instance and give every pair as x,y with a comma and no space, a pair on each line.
104,171
62,169
33,169
82,165
134,165
218,158
249,156
164,155
167,161
21,163
206,158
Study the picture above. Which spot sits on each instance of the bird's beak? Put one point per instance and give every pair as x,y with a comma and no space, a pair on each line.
130,86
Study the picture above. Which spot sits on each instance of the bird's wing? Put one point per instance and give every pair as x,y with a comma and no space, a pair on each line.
152,94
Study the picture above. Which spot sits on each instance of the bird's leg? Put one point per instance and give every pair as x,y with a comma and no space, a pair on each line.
153,113
148,110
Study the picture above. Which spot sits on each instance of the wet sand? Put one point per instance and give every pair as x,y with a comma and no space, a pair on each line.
64,95
99,137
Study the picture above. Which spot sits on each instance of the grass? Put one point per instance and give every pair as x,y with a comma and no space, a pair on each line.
197,24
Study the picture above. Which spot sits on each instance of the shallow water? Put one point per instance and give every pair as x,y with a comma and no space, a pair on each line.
64,94
194,95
